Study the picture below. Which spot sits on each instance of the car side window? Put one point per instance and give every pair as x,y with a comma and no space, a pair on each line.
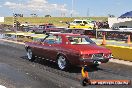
78,22
58,39
85,22
53,39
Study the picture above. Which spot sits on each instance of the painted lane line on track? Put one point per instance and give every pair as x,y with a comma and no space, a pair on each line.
121,62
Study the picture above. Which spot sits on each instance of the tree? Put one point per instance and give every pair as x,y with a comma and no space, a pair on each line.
111,15
34,15
47,15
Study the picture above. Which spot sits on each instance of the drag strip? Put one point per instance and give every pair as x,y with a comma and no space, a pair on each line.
17,72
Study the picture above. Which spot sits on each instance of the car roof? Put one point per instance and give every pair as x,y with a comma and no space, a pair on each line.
48,24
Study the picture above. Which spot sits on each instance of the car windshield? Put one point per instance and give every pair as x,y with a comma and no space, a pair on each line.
78,22
80,40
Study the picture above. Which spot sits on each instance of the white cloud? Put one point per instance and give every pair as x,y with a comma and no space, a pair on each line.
74,13
37,5
10,4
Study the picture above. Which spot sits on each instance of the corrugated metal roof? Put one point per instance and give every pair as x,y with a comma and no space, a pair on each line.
126,15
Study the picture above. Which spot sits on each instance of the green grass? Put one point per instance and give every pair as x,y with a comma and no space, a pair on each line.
54,20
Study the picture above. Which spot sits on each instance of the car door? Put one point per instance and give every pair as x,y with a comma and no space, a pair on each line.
38,47
52,46
83,25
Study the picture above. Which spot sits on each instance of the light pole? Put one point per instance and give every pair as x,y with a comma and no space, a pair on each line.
72,8
87,12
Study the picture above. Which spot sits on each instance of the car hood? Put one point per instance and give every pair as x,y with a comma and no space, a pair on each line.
89,49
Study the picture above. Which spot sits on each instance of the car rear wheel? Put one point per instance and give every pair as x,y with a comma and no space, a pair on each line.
94,65
62,62
90,28
44,32
30,55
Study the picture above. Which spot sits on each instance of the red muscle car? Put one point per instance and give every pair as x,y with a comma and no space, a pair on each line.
68,49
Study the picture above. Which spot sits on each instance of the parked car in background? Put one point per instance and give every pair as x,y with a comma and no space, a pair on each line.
67,49
47,28
89,32
77,23
104,25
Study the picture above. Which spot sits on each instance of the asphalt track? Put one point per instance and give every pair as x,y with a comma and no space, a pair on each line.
17,72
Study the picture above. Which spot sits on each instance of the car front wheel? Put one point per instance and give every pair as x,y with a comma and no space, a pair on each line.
30,55
62,62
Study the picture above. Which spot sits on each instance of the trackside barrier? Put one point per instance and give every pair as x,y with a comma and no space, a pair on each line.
114,34
121,52
21,36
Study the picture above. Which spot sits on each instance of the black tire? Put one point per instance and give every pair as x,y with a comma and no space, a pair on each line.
90,28
44,32
33,31
30,55
63,63
85,82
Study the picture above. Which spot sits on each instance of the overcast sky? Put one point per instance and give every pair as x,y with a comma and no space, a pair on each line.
64,7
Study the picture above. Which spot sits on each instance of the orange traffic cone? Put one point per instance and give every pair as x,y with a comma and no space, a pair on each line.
129,39
85,75
104,40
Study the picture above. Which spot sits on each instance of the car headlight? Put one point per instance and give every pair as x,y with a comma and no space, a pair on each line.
86,56
107,55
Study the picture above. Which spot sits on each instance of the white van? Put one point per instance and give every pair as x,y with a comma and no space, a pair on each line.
81,24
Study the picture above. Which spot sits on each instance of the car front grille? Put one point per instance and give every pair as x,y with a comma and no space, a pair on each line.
98,55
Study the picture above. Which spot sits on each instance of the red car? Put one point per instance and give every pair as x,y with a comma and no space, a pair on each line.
68,49
47,28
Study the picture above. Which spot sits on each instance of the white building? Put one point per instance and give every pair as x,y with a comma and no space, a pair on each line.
120,22
124,21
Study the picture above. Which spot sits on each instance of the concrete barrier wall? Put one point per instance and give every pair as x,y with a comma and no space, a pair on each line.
120,52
